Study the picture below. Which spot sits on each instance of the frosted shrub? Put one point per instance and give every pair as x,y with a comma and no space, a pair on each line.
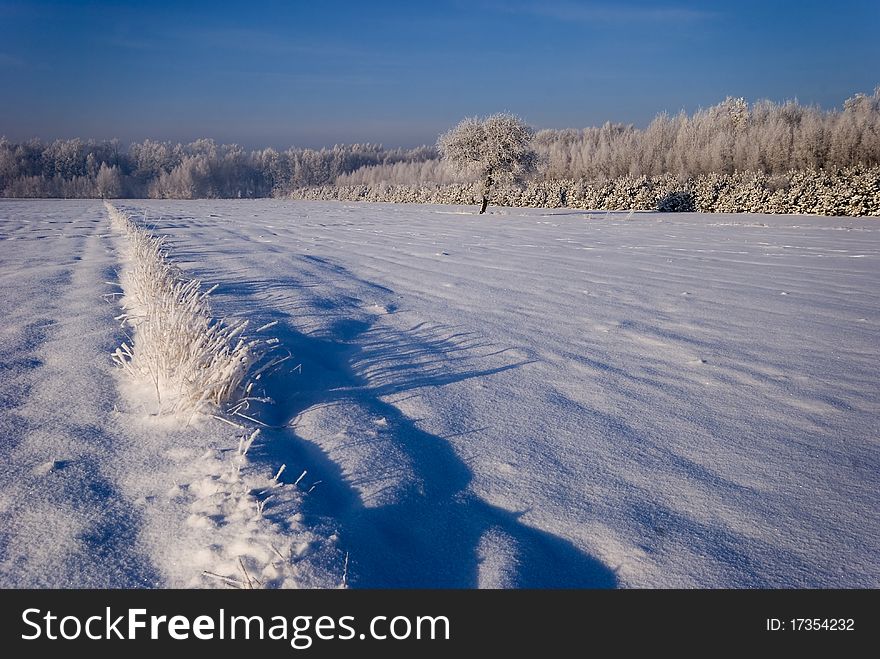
677,202
853,191
193,361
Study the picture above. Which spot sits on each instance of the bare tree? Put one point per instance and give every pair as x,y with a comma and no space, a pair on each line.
497,149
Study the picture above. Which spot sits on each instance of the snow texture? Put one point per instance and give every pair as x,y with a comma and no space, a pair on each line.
523,399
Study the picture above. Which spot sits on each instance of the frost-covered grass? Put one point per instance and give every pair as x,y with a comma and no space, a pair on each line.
194,361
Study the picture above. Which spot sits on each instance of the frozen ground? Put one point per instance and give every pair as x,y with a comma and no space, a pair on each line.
524,399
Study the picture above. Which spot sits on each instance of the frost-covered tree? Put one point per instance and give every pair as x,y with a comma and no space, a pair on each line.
152,158
191,179
498,149
108,183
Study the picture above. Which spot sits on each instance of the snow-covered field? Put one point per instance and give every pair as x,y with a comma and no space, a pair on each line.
524,399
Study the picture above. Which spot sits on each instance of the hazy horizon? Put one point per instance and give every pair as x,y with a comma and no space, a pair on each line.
292,74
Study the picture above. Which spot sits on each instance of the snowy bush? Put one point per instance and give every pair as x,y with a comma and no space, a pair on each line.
677,202
853,191
193,361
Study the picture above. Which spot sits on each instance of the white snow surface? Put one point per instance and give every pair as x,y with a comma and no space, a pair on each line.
529,398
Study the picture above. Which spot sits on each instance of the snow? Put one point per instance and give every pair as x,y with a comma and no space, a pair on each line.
528,398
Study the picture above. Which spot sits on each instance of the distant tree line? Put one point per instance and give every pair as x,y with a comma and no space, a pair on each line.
733,143
732,157
733,136
202,169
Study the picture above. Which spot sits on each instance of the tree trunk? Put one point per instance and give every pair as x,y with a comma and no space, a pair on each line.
487,186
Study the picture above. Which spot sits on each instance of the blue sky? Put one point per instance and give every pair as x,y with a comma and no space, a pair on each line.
315,73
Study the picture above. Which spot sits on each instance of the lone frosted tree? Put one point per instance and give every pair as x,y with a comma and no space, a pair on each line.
497,149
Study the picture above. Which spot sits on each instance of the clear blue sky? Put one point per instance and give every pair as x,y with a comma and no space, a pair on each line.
312,73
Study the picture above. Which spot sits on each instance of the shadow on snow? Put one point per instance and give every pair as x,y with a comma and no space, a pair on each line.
429,535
